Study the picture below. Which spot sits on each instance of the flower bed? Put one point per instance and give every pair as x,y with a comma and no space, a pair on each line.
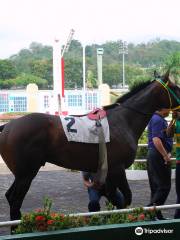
39,221
46,225
43,219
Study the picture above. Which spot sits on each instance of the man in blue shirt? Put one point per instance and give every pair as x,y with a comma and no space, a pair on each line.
95,193
158,159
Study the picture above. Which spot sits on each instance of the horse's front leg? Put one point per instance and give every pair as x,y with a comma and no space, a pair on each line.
124,187
118,178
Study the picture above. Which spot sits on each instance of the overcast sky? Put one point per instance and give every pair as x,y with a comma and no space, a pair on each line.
94,21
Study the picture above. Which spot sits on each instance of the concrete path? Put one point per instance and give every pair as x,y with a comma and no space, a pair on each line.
66,190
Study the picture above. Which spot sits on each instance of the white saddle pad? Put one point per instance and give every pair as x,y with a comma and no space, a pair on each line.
82,129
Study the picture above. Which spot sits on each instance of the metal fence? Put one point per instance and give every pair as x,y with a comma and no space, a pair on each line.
126,210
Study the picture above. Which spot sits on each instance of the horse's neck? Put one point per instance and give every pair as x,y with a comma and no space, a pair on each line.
138,112
137,123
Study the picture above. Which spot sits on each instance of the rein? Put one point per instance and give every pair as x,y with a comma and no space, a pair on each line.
169,90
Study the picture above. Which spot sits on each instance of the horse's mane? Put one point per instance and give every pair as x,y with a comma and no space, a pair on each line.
136,88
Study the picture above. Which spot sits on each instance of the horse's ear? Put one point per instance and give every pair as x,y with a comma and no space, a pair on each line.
166,76
156,74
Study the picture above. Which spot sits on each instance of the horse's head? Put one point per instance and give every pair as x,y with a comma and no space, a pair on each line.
171,94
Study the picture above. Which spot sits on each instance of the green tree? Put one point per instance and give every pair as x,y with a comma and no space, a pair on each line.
40,51
42,69
173,62
140,61
136,74
73,73
75,51
25,57
111,74
91,80
22,81
22,61
7,69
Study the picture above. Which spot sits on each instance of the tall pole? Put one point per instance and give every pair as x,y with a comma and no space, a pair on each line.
123,72
84,67
58,71
57,76
123,49
100,52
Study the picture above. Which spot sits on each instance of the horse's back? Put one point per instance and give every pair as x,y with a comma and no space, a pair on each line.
27,138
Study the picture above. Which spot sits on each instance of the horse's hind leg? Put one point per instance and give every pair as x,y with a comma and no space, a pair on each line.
15,196
16,193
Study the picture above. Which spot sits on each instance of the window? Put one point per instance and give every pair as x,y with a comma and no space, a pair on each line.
74,100
18,104
46,101
91,100
4,102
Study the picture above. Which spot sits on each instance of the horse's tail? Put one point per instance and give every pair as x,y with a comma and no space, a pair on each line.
2,127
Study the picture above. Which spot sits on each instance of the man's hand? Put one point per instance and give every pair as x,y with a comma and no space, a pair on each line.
159,146
95,185
88,183
167,159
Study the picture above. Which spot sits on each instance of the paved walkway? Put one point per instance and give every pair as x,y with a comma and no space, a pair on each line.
66,190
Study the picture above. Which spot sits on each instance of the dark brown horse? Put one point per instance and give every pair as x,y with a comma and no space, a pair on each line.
29,142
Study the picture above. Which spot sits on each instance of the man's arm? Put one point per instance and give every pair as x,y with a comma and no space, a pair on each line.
159,146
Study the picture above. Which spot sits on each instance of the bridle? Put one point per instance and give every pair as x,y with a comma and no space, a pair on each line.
169,92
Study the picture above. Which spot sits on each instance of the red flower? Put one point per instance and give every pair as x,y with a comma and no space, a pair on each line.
40,218
50,222
141,217
131,217
54,215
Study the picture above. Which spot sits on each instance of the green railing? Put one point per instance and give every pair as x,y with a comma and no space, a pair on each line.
166,229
